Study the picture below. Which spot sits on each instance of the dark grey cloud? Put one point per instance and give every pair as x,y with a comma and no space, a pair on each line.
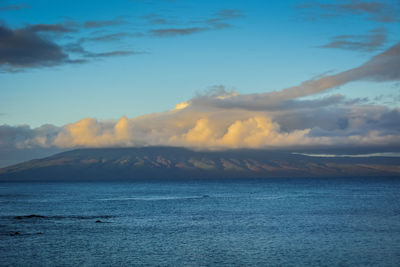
21,143
344,119
22,48
25,136
370,42
391,99
103,23
381,11
390,121
37,45
15,7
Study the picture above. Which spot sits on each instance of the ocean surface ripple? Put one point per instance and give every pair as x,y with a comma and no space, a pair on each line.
274,222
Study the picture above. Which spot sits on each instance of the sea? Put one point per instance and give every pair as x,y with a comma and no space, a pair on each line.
249,222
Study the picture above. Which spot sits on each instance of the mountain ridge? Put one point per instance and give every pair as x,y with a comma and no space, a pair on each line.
146,163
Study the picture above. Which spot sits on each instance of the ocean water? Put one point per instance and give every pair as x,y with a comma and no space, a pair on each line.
270,222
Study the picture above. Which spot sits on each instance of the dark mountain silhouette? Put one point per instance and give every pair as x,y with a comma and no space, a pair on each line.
180,163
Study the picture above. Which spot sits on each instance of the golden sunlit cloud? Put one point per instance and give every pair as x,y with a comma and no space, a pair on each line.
181,105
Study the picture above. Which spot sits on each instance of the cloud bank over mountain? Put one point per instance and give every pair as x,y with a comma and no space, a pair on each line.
225,119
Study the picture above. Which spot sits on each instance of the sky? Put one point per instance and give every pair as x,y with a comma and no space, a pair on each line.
314,75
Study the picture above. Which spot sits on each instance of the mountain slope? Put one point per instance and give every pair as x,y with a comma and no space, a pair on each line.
179,163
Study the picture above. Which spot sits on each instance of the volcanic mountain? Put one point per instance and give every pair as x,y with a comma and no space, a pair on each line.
167,163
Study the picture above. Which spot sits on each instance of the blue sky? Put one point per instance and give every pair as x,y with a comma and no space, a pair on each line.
269,46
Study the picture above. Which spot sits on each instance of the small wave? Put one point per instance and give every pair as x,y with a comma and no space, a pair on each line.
153,198
269,198
60,217
31,216
82,217
23,234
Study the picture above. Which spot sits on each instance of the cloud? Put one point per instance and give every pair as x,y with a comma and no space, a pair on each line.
218,21
25,137
177,31
220,18
337,124
157,19
89,132
253,132
229,14
367,43
44,45
55,28
103,23
77,48
15,7
381,11
331,122
22,48
383,67
33,47
113,37
113,54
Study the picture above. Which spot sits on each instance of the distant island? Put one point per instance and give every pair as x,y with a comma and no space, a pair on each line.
144,163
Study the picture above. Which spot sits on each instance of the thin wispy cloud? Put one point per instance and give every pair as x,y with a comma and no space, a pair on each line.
113,54
177,31
221,17
218,21
54,28
380,11
103,23
370,42
113,37
77,48
15,7
157,19
383,67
